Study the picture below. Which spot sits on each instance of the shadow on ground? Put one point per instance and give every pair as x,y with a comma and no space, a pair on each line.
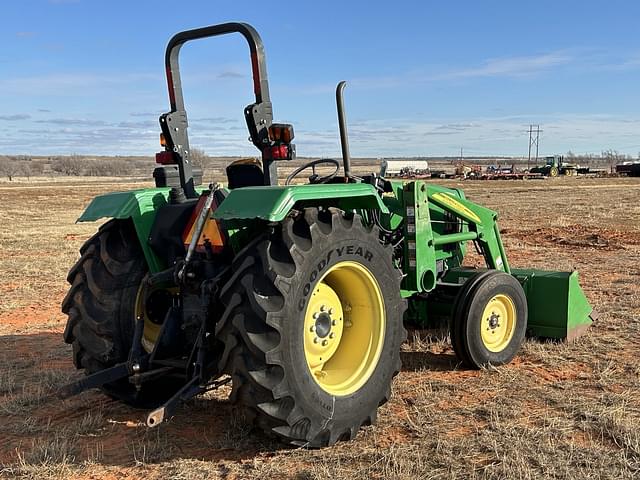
418,361
37,427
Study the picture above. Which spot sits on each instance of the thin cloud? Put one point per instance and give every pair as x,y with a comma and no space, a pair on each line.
499,136
439,133
89,123
215,120
54,47
490,135
144,124
81,122
230,74
631,62
25,34
71,83
17,117
146,114
450,129
510,66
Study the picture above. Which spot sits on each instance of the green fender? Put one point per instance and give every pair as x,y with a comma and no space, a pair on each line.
273,203
241,207
138,205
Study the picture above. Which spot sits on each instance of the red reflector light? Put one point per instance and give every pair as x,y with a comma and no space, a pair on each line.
280,152
211,233
164,158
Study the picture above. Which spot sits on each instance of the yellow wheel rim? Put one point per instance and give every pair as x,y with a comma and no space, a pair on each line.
150,308
344,327
498,323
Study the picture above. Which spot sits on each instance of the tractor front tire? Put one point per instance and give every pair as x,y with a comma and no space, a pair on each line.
312,327
101,306
489,320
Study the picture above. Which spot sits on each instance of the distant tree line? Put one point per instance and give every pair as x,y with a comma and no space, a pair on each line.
19,166
12,166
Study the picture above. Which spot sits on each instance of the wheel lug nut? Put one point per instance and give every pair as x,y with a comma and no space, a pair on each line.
330,311
332,335
316,315
333,322
324,343
322,308
313,328
315,340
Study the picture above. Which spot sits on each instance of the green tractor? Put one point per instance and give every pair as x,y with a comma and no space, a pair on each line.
556,165
297,294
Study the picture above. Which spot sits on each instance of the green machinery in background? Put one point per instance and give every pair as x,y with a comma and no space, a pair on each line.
297,294
555,165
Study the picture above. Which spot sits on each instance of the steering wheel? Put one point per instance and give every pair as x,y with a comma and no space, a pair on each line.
315,178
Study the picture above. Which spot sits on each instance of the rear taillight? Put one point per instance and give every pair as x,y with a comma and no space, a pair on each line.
280,152
165,158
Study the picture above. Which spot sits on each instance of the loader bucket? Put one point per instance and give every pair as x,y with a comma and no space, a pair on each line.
557,305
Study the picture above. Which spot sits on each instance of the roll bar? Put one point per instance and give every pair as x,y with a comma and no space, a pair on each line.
259,116
258,61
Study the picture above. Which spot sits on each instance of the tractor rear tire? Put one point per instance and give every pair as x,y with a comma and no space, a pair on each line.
319,283
101,307
489,321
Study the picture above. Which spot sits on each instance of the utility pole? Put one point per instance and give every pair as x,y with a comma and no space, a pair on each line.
533,141
537,141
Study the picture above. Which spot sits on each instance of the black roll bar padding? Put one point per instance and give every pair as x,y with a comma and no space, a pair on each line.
344,135
258,61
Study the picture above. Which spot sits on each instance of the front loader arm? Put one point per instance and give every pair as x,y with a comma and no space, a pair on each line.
557,306
438,222
481,221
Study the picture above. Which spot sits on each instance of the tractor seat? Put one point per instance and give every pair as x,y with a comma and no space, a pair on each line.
246,172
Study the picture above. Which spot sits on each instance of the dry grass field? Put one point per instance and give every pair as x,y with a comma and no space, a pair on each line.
561,411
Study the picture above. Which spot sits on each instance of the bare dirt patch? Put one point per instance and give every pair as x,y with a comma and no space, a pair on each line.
577,236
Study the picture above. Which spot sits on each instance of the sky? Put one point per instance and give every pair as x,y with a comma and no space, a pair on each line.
424,77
